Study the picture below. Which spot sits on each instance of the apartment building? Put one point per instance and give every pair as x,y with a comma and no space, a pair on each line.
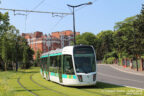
46,42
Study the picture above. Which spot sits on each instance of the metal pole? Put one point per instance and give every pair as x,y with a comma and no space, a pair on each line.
89,3
74,26
16,57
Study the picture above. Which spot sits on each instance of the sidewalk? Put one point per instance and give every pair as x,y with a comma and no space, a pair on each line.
127,70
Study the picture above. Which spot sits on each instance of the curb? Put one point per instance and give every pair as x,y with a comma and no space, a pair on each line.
122,85
127,71
122,70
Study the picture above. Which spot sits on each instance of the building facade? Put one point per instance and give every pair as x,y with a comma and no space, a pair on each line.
44,43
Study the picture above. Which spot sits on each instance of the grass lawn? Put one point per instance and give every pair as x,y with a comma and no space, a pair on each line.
30,83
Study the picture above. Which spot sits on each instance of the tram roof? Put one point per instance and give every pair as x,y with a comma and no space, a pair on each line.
52,52
65,50
56,52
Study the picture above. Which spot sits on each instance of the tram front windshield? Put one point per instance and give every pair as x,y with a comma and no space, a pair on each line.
84,60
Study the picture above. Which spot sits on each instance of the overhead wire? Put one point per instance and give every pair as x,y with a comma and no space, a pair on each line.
29,13
62,17
25,23
58,22
67,15
52,15
37,6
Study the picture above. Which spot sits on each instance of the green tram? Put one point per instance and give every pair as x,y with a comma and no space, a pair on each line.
71,66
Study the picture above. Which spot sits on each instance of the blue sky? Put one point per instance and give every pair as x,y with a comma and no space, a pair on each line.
101,15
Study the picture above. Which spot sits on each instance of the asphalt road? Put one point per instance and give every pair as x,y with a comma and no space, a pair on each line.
111,75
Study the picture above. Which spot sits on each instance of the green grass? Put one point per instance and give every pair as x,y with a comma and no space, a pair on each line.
10,87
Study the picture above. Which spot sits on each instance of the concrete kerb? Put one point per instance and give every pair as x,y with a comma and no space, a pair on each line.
140,74
123,85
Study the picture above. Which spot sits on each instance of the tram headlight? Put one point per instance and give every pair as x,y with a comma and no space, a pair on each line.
80,78
94,77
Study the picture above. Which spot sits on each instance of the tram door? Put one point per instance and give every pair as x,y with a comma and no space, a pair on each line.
48,64
60,59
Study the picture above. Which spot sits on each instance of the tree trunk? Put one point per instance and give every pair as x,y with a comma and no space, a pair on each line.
141,64
13,65
122,62
5,66
137,64
125,62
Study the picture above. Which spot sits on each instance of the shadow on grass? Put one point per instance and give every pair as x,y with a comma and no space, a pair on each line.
28,72
99,85
21,71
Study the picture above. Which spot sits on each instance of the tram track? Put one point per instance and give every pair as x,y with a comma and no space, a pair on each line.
63,93
46,87
18,81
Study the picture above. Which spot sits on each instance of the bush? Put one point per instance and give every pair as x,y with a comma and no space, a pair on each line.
110,60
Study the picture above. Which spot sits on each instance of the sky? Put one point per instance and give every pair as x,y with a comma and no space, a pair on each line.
101,15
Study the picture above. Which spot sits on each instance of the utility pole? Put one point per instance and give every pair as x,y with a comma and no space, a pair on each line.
62,40
51,43
16,57
16,46
73,13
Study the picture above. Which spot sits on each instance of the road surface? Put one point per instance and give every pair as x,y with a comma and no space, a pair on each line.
108,74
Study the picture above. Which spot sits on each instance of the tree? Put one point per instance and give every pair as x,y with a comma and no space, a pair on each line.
27,52
13,48
86,38
104,43
4,24
139,36
4,51
124,37
25,57
37,60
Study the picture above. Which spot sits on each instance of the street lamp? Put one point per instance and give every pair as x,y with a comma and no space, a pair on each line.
16,46
89,3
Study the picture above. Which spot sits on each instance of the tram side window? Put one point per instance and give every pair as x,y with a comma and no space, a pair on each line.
53,64
68,65
45,63
53,61
42,63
